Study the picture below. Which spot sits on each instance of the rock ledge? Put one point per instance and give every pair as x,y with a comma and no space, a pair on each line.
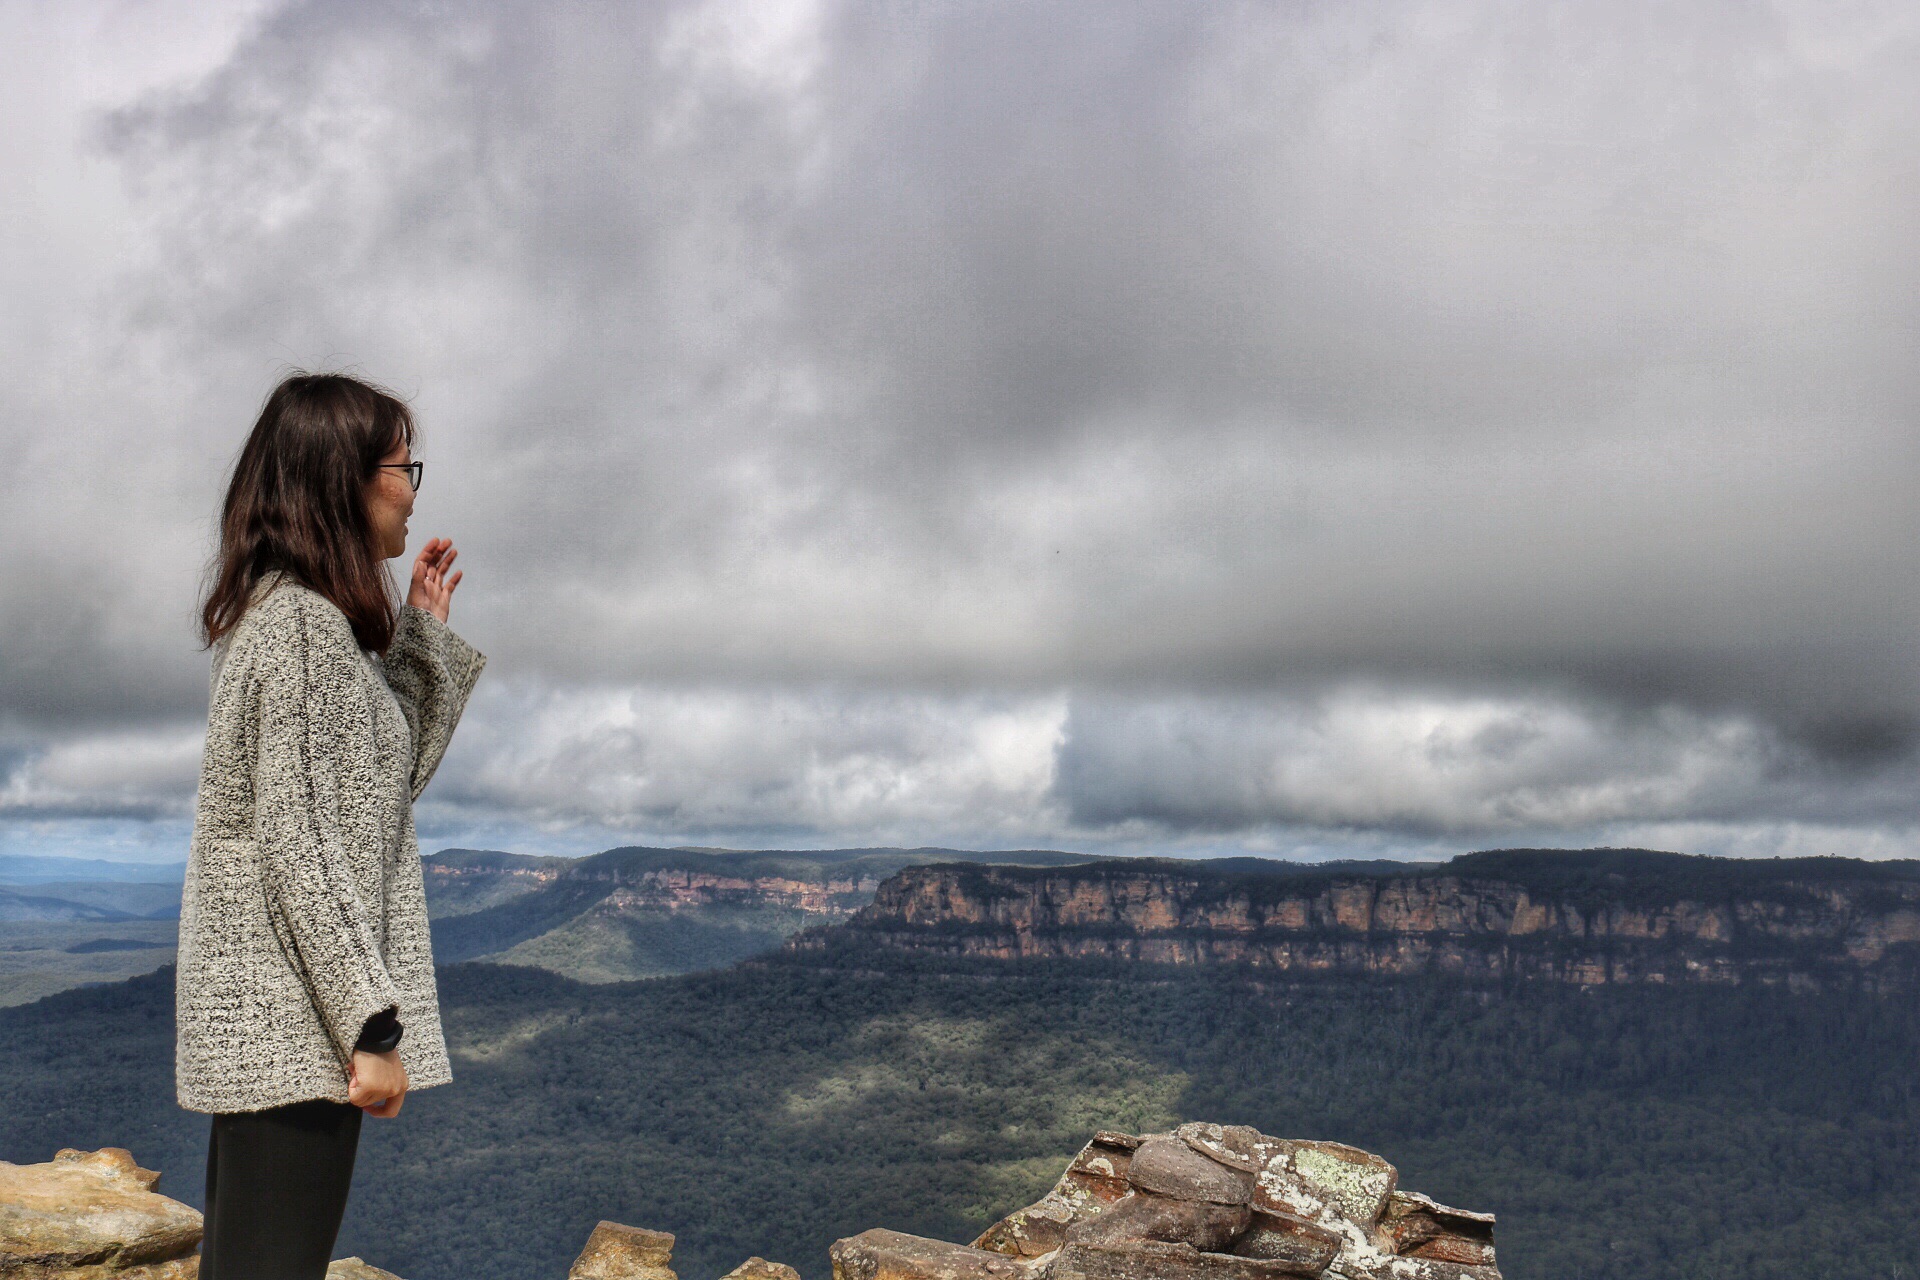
1204,1202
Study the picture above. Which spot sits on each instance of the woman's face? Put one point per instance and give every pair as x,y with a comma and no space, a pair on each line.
389,503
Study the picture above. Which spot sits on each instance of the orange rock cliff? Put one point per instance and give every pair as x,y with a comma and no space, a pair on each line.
1603,916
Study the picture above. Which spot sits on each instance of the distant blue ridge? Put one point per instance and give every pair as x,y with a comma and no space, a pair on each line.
28,868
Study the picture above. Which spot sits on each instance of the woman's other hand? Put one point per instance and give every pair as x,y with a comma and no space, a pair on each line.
377,1083
432,586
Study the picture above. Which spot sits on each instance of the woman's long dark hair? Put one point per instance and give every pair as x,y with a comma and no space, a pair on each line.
297,502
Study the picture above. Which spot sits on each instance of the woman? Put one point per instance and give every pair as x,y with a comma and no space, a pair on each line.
305,989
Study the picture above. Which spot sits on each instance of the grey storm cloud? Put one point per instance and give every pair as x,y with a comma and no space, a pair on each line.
1208,388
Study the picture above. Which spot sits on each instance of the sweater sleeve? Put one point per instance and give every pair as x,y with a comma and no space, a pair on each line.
311,717
431,671
381,1034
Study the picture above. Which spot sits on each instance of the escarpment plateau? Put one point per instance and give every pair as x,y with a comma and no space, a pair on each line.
1579,916
639,913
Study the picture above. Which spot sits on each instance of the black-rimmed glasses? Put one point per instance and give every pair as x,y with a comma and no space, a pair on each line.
413,470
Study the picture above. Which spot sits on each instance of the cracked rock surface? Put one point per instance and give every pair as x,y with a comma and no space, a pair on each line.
1204,1202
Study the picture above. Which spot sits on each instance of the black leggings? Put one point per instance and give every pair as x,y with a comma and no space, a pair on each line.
276,1190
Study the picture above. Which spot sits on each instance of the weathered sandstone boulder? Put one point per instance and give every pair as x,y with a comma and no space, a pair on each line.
1095,1179
760,1269
616,1252
1419,1228
356,1269
1145,1215
1169,1167
93,1215
1205,1202
1284,1237
1159,1261
1309,1178
892,1255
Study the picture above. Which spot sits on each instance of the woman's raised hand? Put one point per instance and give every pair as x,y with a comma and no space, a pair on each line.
432,587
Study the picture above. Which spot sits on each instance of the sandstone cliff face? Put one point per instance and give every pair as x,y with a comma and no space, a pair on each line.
677,889
1806,926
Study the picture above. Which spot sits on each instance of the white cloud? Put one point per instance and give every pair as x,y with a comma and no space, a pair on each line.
1302,391
137,773
815,763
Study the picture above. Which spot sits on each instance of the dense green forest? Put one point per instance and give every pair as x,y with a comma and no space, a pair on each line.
1687,1133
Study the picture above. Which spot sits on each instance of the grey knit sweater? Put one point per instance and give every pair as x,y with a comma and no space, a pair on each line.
305,911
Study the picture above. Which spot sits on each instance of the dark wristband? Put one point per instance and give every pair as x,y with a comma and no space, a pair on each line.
381,1034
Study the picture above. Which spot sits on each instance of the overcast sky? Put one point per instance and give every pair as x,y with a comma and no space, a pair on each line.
1309,428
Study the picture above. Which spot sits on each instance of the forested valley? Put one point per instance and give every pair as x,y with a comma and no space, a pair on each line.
1695,1133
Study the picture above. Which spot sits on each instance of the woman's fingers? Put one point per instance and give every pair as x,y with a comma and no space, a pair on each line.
434,576
435,558
390,1105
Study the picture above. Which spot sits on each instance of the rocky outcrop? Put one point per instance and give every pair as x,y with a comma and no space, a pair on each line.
617,1252
757,1268
1205,1202
880,1254
94,1215
356,1269
1588,917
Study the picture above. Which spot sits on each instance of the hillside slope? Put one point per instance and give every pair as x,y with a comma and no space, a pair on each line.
639,912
